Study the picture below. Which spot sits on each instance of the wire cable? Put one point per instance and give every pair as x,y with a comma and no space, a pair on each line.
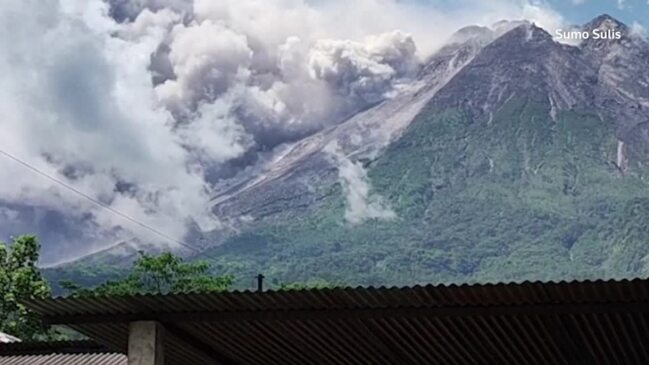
97,202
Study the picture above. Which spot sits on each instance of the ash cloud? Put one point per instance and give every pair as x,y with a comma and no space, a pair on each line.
363,72
145,104
362,204
128,10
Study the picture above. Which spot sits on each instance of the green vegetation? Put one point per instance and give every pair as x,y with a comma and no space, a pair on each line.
317,284
165,273
520,197
514,196
21,280
161,274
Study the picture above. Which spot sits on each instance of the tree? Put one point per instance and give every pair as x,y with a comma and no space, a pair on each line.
161,274
315,284
21,280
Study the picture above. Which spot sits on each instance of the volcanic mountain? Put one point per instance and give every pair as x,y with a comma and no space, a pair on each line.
511,157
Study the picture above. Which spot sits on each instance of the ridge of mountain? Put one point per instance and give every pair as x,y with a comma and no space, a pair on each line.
512,157
362,136
378,126
120,253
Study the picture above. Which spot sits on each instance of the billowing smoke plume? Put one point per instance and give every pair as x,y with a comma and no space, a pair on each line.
145,104
77,103
362,204
363,72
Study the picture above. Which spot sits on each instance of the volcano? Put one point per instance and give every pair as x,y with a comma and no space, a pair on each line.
510,157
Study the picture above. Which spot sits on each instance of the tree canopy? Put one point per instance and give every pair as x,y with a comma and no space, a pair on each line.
20,279
158,274
315,284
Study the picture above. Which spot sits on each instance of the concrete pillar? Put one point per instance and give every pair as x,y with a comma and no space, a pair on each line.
145,343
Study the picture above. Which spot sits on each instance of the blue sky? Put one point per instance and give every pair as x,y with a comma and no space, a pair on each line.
627,11
575,11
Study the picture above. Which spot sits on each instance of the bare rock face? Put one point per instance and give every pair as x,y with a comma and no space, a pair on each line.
479,69
622,73
523,61
510,157
298,176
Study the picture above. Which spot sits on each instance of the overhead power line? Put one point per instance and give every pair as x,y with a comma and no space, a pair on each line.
97,202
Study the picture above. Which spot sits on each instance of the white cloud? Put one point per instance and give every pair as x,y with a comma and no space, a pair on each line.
362,204
7,214
207,60
638,29
367,70
214,134
149,22
544,17
132,101
87,105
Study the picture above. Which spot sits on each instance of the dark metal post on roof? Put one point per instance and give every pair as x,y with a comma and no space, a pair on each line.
260,283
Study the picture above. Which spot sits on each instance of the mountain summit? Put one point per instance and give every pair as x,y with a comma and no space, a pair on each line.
511,157
606,22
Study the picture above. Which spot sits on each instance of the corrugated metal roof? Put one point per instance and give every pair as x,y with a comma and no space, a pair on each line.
59,353
65,359
40,347
526,293
527,323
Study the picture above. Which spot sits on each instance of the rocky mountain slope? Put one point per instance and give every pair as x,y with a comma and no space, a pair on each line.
511,157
